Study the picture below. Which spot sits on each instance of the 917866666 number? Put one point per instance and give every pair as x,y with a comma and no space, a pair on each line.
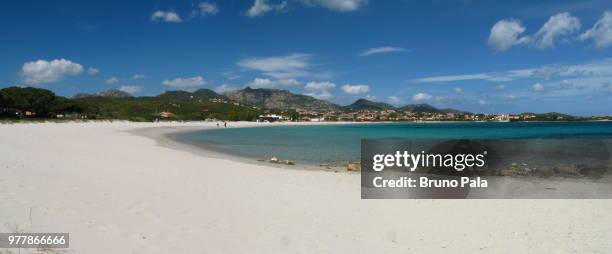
34,240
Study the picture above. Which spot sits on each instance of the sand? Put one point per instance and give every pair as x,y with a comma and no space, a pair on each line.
115,191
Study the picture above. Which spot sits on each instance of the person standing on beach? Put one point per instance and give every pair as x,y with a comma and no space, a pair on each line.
224,124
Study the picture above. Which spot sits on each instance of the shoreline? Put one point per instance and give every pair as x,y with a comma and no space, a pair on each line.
165,137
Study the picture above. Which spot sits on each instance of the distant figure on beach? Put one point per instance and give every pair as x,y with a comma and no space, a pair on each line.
217,124
224,124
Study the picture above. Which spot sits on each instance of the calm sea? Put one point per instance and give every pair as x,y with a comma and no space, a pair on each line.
321,143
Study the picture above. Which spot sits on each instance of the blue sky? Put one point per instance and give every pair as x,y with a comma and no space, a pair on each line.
481,56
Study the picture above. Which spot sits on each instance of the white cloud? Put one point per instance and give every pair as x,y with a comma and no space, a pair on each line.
506,76
548,72
500,87
185,83
505,34
319,90
594,68
338,5
138,76
269,83
482,102
380,50
43,71
322,95
166,16
458,90
319,85
421,97
131,89
112,80
538,88
355,89
283,67
261,7
92,71
370,97
206,9
558,25
224,88
394,99
601,32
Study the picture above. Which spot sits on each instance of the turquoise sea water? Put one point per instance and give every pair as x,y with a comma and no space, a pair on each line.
320,143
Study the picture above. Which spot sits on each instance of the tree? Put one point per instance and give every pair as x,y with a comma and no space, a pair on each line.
61,105
30,99
5,100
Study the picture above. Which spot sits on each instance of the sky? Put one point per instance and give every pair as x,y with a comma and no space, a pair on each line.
480,56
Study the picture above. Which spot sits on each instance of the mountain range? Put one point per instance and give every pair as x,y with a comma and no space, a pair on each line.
276,99
280,99
285,100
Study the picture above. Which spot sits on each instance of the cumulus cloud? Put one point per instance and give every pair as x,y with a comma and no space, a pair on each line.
224,88
355,89
185,83
282,67
538,88
380,50
131,89
558,25
418,97
458,90
261,7
319,85
319,90
482,102
338,5
269,83
500,87
43,71
112,80
601,32
322,94
505,34
207,9
166,16
92,71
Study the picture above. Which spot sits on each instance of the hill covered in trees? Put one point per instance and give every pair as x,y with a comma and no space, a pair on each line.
16,102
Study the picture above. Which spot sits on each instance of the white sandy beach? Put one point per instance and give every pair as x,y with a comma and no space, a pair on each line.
118,192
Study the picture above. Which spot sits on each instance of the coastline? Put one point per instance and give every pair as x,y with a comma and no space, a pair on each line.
117,192
165,137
